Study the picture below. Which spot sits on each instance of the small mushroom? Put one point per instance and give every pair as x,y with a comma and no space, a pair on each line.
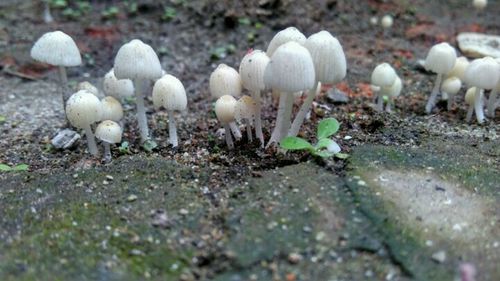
286,35
168,92
493,99
111,109
470,99
382,79
252,69
246,112
482,74
330,67
58,49
459,69
387,21
290,70
441,59
391,93
119,89
87,86
450,87
479,4
225,111
109,132
138,62
82,110
225,80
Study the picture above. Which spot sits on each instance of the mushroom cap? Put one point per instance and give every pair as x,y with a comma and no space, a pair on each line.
480,4
394,90
246,108
459,69
441,58
451,85
291,69
252,69
119,89
56,48
387,21
284,36
109,131
225,80
470,95
225,109
328,56
483,73
136,60
83,109
169,92
383,75
111,109
85,85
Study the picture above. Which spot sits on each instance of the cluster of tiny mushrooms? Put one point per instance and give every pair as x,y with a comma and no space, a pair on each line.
292,66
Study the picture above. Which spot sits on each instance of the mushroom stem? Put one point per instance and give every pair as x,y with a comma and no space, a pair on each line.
287,115
107,152
478,106
172,130
388,106
279,120
91,141
47,16
249,130
141,110
63,80
435,91
236,131
380,103
258,118
301,115
470,111
229,139
450,101
492,103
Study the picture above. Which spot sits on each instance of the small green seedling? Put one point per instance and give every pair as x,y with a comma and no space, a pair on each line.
325,147
17,168
124,148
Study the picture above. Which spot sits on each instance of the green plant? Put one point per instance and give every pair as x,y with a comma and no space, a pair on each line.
17,168
2,119
124,148
325,147
169,13
110,12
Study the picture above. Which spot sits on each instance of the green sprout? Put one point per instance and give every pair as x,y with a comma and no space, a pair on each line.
169,13
324,148
124,148
110,12
17,168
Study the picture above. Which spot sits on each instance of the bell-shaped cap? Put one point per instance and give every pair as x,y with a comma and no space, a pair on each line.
252,69
451,85
286,35
56,48
394,90
109,131
459,69
111,109
383,75
328,56
168,92
441,58
83,108
225,80
291,69
119,89
87,86
483,73
225,109
136,60
246,109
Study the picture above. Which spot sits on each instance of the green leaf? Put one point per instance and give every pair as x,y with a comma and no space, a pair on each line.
2,119
327,127
20,167
149,145
342,155
322,153
5,168
124,148
295,143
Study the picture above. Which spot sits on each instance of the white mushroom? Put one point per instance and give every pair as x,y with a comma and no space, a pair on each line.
286,35
58,49
382,79
138,62
330,67
82,110
109,132
290,70
470,99
441,59
252,69
493,99
225,111
111,109
391,93
119,89
168,92
87,86
451,86
246,112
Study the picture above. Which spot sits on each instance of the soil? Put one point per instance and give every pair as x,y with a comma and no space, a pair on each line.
223,188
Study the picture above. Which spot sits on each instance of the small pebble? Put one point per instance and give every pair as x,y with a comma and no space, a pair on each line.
439,256
294,258
132,198
183,212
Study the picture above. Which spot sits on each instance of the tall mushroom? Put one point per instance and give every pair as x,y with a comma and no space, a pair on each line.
482,74
83,109
225,80
382,79
441,59
119,89
330,67
138,62
252,69
290,70
225,110
58,49
168,92
109,132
